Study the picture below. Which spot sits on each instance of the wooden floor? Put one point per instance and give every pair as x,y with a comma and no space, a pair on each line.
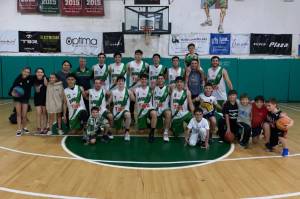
23,171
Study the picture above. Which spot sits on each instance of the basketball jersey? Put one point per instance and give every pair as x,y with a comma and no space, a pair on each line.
179,98
272,118
220,92
144,100
173,73
120,99
117,70
153,74
102,74
161,99
97,98
75,101
136,70
207,104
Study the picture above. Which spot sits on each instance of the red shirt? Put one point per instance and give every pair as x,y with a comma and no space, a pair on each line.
259,115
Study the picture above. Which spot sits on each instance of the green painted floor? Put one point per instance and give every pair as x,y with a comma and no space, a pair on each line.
139,153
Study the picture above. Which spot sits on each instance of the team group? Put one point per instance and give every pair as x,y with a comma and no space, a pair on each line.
157,96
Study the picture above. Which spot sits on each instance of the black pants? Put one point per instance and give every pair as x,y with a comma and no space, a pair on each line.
233,127
245,130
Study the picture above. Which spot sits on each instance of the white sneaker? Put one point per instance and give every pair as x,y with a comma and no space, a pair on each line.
49,133
166,137
208,22
19,133
60,132
127,137
110,136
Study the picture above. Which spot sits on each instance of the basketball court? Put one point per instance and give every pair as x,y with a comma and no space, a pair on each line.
62,167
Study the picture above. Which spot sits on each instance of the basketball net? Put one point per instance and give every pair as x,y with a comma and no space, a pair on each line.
147,33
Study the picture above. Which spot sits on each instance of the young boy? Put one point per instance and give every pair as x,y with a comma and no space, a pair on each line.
155,70
272,133
244,119
208,104
197,130
230,113
259,115
94,126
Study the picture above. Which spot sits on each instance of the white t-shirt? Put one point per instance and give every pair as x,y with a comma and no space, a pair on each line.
196,126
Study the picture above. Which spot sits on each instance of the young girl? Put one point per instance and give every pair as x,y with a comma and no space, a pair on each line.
54,102
40,87
24,80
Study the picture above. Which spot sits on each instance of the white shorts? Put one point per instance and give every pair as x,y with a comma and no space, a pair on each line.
195,137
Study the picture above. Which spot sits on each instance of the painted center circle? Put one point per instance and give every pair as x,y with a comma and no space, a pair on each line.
138,153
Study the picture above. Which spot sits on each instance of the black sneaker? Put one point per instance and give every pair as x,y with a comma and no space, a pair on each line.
110,136
151,138
105,138
269,147
25,131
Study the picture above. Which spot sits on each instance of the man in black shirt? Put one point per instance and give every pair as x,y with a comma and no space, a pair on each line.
230,113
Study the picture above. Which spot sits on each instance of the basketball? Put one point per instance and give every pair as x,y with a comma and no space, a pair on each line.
282,123
18,91
229,137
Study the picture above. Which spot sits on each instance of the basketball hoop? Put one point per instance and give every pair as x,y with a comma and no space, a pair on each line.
147,33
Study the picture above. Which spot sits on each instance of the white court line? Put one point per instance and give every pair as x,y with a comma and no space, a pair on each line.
276,196
143,168
5,103
39,194
288,107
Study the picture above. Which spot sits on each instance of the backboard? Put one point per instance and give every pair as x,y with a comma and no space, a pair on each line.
153,18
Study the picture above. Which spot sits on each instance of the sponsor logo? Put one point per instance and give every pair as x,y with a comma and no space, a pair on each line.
278,45
82,42
8,42
237,44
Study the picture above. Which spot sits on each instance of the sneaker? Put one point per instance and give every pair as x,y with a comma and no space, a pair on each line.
110,136
127,136
25,131
105,138
18,133
285,152
49,133
269,147
208,22
166,137
220,29
60,132
245,146
151,138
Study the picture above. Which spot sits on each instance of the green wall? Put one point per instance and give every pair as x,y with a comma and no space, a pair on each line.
277,78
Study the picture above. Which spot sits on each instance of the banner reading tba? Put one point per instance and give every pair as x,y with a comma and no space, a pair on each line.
87,43
240,44
71,7
178,43
9,41
113,42
48,6
219,44
27,6
29,41
93,8
272,44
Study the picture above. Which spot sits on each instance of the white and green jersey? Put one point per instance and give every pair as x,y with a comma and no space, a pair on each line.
144,99
154,71
173,73
179,101
135,71
121,102
97,98
117,70
75,103
102,74
161,99
215,76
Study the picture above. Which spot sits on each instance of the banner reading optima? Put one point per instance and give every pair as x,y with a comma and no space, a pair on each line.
88,43
27,6
48,6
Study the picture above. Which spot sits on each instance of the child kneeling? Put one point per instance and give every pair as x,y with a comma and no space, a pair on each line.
95,125
198,130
